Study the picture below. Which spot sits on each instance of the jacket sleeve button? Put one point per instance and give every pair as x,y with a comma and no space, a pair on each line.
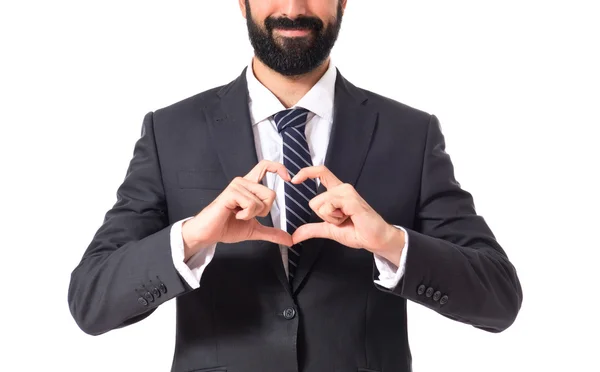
437,295
421,289
444,300
429,292
142,301
148,296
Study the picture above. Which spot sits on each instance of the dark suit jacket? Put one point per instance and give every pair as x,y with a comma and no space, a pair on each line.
245,317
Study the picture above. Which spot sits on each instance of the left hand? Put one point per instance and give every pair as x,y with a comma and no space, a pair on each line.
348,218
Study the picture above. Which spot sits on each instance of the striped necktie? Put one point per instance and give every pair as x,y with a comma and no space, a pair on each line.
291,124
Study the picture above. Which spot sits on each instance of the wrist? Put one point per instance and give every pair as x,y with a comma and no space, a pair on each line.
192,243
393,244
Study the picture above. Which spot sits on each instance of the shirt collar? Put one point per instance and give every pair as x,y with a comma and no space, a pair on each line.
319,99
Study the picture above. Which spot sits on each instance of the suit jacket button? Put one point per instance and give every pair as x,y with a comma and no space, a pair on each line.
421,289
156,292
143,301
148,296
443,300
289,313
437,295
429,292
163,288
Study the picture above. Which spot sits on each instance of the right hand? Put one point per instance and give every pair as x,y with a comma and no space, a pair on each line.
230,218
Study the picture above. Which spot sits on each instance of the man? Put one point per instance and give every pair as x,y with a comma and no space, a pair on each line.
292,215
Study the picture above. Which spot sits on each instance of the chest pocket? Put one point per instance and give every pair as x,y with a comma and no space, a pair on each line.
201,179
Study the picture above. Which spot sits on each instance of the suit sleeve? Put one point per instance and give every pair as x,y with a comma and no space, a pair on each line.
127,270
454,265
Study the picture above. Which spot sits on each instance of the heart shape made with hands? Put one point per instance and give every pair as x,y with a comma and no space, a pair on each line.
318,204
347,217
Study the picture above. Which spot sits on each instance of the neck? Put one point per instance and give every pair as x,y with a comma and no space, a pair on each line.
288,89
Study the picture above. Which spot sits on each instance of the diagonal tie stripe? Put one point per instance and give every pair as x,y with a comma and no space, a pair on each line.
309,184
290,200
299,155
290,117
296,155
300,145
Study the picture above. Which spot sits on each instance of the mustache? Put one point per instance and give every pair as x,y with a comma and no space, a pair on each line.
300,23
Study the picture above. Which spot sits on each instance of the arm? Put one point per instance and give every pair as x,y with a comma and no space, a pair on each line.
127,270
390,274
455,266
192,269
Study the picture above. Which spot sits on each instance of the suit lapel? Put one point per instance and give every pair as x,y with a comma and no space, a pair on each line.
231,130
353,127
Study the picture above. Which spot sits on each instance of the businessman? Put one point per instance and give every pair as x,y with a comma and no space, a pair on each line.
292,215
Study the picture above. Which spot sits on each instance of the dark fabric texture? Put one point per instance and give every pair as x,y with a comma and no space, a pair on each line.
245,317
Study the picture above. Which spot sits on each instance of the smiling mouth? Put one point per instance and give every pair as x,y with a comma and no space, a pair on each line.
293,32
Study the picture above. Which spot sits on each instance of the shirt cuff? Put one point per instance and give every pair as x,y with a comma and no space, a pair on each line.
191,271
390,274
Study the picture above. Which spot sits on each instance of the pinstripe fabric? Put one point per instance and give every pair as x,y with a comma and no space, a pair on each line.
291,124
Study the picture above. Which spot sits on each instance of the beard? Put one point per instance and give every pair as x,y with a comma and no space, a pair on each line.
293,56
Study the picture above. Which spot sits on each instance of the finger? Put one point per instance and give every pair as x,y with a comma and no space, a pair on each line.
316,202
338,213
265,194
258,172
328,179
312,230
320,204
331,214
237,201
323,207
347,205
271,234
253,205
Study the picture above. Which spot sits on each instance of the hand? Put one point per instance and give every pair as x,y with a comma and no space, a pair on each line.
230,218
348,218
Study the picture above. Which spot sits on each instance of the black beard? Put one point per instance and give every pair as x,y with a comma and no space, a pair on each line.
293,56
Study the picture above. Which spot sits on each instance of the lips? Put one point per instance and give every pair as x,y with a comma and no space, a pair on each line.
293,31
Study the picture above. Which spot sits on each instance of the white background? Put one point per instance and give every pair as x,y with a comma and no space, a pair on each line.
514,83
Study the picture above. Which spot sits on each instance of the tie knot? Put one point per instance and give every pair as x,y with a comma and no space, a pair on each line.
290,118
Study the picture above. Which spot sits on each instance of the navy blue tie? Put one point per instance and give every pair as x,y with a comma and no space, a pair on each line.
291,124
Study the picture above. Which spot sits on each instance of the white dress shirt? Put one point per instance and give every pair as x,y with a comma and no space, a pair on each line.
269,145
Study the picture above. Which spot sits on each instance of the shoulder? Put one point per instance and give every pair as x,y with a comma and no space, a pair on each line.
188,107
389,107
393,117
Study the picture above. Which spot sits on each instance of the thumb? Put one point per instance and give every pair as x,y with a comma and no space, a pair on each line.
312,230
271,234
